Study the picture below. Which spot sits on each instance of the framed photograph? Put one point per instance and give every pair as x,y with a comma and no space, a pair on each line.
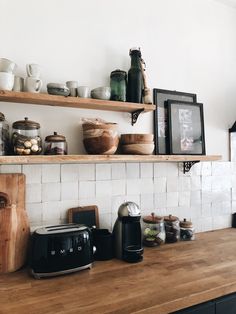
186,128
160,98
232,142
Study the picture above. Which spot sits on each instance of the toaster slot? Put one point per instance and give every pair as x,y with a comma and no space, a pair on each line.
65,228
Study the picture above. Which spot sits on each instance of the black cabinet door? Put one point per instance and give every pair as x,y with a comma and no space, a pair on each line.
226,305
205,308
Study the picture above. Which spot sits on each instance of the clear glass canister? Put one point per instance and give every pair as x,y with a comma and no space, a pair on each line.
187,232
172,228
153,230
4,136
26,138
118,85
55,145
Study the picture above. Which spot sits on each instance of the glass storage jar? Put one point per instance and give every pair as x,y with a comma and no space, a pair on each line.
55,145
172,228
4,136
153,230
187,232
26,138
118,85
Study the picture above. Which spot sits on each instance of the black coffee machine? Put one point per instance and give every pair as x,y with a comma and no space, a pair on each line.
127,233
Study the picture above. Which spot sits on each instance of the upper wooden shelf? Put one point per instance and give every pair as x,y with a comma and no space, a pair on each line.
74,102
42,159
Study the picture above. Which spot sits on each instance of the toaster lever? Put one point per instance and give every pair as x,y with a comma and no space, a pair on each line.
94,249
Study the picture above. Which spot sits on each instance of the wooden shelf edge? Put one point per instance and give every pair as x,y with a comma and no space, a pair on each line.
61,159
73,102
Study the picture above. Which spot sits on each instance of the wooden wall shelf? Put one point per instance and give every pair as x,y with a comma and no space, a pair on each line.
75,102
63,159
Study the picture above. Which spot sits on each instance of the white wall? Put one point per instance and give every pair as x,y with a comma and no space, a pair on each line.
188,45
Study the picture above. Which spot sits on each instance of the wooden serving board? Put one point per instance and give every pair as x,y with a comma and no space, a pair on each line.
14,225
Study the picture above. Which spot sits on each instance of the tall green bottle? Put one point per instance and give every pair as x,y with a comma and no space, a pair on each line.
135,80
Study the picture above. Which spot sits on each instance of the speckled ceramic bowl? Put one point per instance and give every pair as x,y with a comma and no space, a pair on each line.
58,89
103,92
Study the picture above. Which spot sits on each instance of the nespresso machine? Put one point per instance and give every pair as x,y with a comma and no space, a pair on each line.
127,233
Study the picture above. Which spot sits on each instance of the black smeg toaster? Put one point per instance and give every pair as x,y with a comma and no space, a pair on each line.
60,249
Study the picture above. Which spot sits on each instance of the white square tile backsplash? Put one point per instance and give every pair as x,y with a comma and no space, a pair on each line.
206,195
51,173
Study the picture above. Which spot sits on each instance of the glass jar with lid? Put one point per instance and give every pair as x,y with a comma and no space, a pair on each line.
4,136
26,138
55,144
118,85
187,232
153,230
172,228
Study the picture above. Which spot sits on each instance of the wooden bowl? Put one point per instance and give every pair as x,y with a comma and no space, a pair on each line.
103,126
138,149
100,139
101,145
136,138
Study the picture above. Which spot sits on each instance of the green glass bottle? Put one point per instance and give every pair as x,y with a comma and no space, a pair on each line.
135,80
118,85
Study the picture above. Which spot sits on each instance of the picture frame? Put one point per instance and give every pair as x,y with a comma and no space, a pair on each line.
186,134
87,215
160,98
232,142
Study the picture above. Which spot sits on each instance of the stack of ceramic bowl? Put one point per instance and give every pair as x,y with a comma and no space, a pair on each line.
137,144
100,138
7,68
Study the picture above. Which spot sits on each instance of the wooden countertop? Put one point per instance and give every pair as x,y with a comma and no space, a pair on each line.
171,277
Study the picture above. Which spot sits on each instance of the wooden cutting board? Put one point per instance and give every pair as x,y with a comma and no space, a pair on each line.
14,225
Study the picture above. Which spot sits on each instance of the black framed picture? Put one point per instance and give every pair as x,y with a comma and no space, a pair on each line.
160,97
186,128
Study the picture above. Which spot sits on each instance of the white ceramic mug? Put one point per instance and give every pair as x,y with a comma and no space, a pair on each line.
83,91
18,84
33,85
6,81
72,85
7,65
33,70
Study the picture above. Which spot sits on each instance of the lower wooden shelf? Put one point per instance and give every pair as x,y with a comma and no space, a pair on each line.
63,159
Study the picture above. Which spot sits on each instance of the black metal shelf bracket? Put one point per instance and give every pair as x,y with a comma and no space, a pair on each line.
188,165
135,115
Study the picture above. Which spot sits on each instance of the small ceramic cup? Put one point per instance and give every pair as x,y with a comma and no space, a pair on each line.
6,81
7,65
18,84
83,91
72,85
33,85
33,70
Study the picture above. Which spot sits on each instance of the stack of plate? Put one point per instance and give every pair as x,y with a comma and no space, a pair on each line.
137,144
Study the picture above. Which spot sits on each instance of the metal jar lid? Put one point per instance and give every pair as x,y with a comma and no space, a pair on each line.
55,138
170,218
26,124
152,219
118,73
185,224
2,117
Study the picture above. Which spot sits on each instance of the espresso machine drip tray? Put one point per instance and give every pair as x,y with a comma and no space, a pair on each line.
133,254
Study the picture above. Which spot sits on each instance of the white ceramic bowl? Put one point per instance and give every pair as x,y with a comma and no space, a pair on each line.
6,81
103,92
